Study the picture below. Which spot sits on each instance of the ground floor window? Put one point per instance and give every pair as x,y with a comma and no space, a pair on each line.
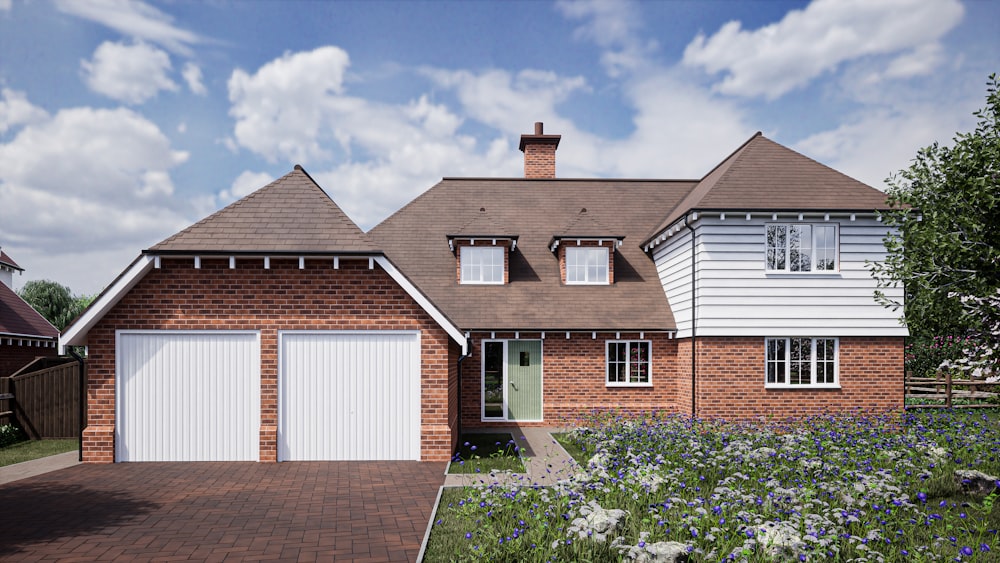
799,362
627,362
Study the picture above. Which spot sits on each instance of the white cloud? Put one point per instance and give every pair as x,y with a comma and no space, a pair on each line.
783,56
881,141
128,73
245,184
281,109
192,75
614,26
15,109
6,5
134,19
920,61
88,181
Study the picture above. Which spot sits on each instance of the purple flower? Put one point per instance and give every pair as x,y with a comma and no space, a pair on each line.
922,496
966,551
468,535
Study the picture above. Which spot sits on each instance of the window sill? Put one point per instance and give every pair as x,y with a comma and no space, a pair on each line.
606,384
786,386
826,274
480,283
587,283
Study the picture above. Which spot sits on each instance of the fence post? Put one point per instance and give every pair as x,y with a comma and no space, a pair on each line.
947,389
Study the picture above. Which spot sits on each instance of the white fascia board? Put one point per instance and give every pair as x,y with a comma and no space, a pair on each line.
452,330
76,333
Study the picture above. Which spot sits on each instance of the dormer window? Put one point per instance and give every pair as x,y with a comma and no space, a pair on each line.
587,265
482,264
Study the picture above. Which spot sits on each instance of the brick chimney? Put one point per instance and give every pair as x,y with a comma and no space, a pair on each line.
539,153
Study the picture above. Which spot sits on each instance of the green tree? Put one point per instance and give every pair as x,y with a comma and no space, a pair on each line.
54,301
947,246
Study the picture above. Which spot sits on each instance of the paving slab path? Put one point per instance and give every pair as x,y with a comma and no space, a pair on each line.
546,461
215,511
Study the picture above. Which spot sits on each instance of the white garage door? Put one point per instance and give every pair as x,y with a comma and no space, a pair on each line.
188,396
349,395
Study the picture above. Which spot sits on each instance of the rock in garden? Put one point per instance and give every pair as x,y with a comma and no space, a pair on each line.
975,482
663,552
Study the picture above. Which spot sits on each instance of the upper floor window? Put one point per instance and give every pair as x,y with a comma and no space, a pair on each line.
798,362
801,248
586,265
482,264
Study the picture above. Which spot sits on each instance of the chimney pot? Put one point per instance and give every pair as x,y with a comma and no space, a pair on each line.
539,127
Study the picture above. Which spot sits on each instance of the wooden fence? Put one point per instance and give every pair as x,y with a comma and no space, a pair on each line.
945,391
45,398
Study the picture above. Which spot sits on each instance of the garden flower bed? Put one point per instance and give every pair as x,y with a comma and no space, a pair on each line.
659,488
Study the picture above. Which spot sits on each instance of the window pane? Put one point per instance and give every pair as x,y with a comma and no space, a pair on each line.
493,379
776,247
800,248
776,360
482,264
826,247
586,265
639,362
800,361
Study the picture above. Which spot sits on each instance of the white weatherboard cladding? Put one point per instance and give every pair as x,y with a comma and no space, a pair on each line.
187,396
349,395
735,297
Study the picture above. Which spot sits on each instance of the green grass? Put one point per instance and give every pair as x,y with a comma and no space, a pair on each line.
850,488
482,453
574,448
35,449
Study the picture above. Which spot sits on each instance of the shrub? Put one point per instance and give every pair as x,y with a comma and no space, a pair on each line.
10,434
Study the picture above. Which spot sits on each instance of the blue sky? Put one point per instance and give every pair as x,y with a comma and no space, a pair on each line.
123,122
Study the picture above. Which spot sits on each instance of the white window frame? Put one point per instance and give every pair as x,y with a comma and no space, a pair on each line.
788,251
605,269
472,271
628,364
785,363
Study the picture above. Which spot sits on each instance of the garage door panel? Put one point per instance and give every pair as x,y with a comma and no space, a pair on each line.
188,396
349,396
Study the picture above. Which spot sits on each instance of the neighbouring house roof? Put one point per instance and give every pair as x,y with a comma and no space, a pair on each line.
537,210
764,175
292,214
17,318
6,260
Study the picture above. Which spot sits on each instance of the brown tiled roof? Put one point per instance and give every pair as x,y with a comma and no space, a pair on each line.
291,214
764,175
17,317
585,225
535,298
481,224
8,261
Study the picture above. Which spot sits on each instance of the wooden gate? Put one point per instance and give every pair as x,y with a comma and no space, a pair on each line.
46,398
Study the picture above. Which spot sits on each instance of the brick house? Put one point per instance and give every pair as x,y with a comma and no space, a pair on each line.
24,333
277,330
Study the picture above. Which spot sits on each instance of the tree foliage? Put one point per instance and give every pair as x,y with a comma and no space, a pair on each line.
947,243
54,301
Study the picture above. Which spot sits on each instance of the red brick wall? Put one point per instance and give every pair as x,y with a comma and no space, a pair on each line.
539,160
14,356
730,381
574,376
178,296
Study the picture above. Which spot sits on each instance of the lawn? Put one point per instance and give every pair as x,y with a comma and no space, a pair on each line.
485,452
35,449
824,489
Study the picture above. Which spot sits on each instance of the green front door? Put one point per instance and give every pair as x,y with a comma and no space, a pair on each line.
524,380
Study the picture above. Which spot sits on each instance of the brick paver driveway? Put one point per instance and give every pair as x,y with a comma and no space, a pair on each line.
305,511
